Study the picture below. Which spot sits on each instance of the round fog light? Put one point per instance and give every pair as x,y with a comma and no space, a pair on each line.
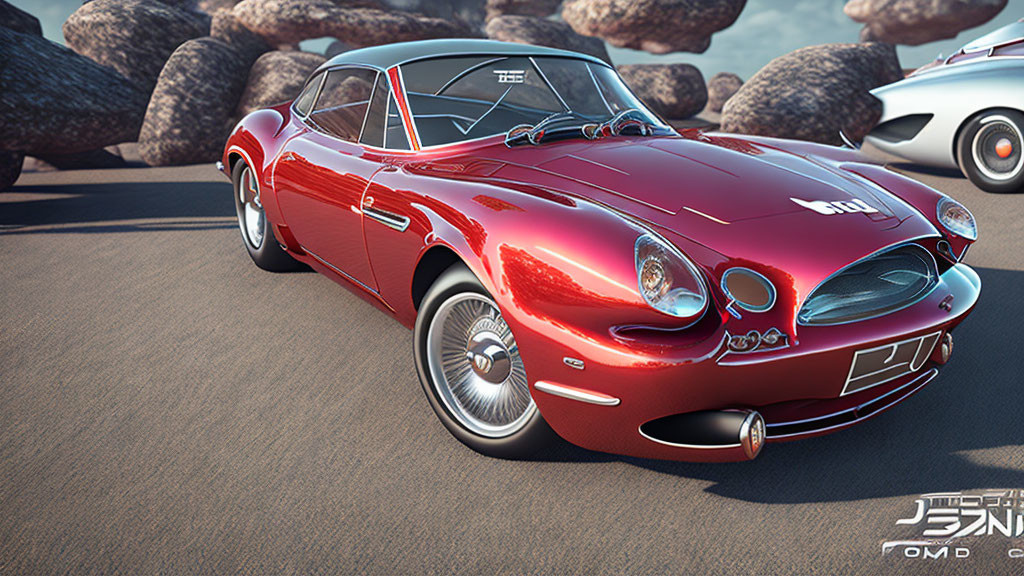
944,350
752,434
748,289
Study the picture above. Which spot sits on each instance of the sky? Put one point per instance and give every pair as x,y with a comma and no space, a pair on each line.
764,30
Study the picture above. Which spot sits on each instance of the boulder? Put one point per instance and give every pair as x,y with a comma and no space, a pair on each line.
721,87
191,111
225,26
212,6
531,30
10,168
538,8
134,37
813,93
470,11
672,90
277,77
291,21
658,26
914,22
16,19
58,102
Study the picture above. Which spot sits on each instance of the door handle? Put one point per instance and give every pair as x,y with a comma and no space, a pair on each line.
389,168
389,219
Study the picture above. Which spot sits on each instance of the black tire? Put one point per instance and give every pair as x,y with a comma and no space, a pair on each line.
981,146
266,253
533,435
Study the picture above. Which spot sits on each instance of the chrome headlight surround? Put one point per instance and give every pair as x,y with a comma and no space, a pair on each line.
668,281
956,218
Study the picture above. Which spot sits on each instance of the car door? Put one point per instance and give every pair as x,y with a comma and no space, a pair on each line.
323,172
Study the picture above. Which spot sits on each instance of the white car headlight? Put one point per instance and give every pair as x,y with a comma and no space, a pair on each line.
957,218
668,281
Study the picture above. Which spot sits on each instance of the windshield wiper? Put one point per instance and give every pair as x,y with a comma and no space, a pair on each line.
632,120
535,133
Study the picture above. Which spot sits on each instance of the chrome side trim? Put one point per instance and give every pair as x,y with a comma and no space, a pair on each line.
338,271
389,219
916,383
576,394
366,115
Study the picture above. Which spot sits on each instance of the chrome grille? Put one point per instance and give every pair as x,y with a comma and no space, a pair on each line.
879,284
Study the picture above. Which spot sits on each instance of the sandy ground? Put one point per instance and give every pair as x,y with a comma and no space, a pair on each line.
166,407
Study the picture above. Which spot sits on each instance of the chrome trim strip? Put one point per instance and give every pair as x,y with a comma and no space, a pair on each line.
369,102
708,216
576,394
597,87
921,381
596,163
338,270
549,84
389,219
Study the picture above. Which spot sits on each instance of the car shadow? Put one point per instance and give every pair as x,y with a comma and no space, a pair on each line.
100,208
961,432
929,170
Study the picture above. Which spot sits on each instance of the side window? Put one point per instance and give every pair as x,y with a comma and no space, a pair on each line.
394,134
343,100
305,100
373,130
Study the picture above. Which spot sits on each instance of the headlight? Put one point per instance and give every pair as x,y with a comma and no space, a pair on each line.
668,280
957,218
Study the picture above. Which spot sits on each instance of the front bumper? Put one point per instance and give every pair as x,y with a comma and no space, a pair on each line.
798,390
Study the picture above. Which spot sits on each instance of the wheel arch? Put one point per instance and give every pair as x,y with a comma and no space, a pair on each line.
233,157
434,261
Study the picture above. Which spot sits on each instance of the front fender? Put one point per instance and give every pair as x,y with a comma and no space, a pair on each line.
550,261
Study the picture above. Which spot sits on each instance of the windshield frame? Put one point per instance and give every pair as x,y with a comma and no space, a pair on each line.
412,129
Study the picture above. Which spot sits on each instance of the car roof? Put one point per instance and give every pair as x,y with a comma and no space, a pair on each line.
1008,33
388,55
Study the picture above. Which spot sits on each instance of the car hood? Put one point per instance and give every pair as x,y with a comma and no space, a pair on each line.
749,201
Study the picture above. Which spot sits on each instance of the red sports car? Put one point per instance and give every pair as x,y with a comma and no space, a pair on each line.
572,265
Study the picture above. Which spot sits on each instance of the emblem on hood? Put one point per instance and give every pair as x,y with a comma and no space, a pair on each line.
837,207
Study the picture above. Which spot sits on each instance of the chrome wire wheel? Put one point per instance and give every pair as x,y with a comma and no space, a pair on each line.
250,217
996,148
475,367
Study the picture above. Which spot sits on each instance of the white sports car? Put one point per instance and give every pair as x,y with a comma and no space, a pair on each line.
966,110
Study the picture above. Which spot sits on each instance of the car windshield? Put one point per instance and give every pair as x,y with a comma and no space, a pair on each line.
1008,33
461,98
